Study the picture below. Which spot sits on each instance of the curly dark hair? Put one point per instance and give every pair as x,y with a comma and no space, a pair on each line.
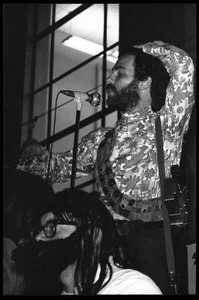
147,65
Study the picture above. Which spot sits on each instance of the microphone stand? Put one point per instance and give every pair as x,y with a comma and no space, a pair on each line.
79,102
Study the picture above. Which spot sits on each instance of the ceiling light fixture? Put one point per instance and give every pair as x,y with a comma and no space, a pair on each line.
86,46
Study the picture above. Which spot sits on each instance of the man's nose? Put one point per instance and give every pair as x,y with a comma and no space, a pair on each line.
109,79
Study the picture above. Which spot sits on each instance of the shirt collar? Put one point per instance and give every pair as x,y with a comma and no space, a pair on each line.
130,117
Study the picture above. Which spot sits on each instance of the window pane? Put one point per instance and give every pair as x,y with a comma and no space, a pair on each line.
40,110
63,9
112,56
42,63
112,24
111,119
82,26
85,79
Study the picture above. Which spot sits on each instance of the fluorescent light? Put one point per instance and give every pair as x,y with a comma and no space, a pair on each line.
83,45
86,46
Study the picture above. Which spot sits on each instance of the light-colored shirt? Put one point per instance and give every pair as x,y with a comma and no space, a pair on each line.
130,282
134,154
126,282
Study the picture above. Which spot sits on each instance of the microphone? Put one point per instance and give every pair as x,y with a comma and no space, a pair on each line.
94,99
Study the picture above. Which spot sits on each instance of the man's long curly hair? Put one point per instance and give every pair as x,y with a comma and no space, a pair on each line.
99,236
147,65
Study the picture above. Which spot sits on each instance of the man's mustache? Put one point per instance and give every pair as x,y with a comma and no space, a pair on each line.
110,86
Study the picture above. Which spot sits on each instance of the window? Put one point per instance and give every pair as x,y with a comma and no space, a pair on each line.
55,66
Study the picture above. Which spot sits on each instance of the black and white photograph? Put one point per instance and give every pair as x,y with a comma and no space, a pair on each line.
99,149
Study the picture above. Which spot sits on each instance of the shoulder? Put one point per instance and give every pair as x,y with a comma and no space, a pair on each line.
97,134
129,281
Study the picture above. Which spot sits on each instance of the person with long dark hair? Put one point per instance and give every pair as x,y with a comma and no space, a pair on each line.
76,242
23,194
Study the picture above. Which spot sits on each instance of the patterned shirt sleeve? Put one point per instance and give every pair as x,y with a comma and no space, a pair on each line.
57,167
180,96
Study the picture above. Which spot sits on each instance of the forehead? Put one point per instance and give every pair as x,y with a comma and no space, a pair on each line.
125,62
47,217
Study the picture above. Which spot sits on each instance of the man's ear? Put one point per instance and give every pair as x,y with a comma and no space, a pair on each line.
145,84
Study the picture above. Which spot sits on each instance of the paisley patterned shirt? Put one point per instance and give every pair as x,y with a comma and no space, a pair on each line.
134,155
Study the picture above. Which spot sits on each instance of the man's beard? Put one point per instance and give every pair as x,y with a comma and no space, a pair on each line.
126,99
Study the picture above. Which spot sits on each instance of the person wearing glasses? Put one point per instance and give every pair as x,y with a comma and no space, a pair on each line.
77,243
23,194
150,80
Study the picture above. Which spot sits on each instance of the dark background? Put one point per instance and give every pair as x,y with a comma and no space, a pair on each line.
14,42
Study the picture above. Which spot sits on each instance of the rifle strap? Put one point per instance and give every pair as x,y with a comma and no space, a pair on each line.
166,221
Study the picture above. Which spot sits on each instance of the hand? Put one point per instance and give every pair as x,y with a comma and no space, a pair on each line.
30,149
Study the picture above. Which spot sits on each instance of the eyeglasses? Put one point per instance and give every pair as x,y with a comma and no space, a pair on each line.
50,228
